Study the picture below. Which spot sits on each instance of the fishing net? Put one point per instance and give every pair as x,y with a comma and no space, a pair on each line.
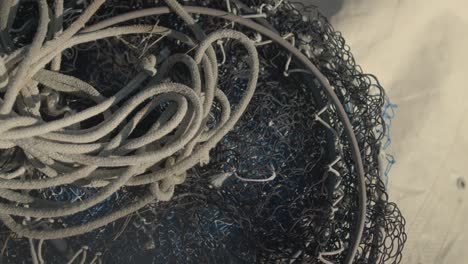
213,132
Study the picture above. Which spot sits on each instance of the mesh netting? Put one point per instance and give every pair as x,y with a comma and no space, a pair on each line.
281,186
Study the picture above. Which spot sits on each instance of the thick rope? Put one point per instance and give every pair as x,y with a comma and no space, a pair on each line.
107,156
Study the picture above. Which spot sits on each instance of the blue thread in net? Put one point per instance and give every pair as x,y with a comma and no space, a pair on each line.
390,162
74,194
388,115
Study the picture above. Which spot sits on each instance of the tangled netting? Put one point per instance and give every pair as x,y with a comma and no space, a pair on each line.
256,140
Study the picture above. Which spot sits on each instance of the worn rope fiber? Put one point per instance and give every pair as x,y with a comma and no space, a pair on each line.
66,154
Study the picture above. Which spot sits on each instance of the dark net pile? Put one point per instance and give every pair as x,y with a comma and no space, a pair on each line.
280,187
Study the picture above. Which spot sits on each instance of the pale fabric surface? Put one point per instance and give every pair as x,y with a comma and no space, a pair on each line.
419,51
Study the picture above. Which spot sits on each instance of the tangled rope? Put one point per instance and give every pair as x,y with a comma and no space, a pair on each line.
99,156
155,130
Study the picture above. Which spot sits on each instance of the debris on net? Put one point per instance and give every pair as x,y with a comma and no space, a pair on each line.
150,132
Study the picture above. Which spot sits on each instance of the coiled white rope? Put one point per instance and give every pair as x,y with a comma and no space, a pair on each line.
107,156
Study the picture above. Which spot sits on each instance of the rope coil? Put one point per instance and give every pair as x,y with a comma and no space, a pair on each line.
67,154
